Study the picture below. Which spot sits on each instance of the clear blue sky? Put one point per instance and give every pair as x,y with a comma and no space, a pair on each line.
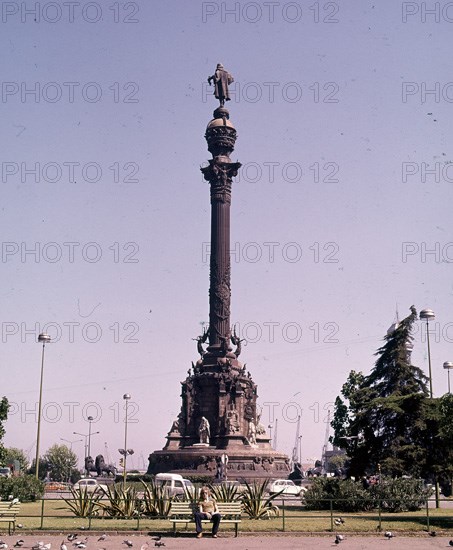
337,134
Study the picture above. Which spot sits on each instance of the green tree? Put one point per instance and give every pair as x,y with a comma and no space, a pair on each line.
386,421
337,462
4,407
12,454
61,462
444,442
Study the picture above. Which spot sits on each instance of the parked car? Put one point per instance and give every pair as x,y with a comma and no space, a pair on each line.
175,484
91,485
286,487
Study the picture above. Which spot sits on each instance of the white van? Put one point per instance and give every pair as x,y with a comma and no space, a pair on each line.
174,483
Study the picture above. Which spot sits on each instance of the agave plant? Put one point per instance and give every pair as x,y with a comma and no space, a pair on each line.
256,503
83,503
225,492
123,502
191,494
156,500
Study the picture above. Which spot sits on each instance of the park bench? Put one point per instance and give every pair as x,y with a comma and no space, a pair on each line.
183,512
8,513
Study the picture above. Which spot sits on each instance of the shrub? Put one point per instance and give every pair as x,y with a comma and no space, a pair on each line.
400,495
225,493
83,503
123,502
256,503
156,501
352,497
26,488
318,495
393,495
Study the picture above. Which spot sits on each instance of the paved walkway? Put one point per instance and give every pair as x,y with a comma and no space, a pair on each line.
243,542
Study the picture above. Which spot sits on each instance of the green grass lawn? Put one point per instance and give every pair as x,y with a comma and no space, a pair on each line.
57,516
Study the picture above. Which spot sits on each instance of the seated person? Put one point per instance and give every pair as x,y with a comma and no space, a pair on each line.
207,509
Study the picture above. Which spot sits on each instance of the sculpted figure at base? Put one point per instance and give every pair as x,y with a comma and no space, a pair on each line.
89,464
102,468
251,435
204,430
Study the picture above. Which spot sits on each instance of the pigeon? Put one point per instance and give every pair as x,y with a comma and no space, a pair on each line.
450,542
3,545
72,536
338,539
63,546
159,543
102,537
79,544
432,534
339,521
19,543
157,538
128,543
46,546
388,535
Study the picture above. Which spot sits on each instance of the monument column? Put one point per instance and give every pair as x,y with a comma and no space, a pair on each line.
218,424
221,136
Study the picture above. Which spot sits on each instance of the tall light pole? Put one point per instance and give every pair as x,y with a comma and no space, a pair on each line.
90,420
87,437
448,365
126,397
44,338
70,448
428,314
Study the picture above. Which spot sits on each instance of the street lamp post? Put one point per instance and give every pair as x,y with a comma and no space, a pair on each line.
70,448
428,314
126,397
448,365
44,338
87,444
90,420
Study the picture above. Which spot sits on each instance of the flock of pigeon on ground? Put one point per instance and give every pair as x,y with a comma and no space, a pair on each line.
81,543
75,541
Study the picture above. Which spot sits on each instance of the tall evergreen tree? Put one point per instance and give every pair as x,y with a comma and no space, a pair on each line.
4,407
385,422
